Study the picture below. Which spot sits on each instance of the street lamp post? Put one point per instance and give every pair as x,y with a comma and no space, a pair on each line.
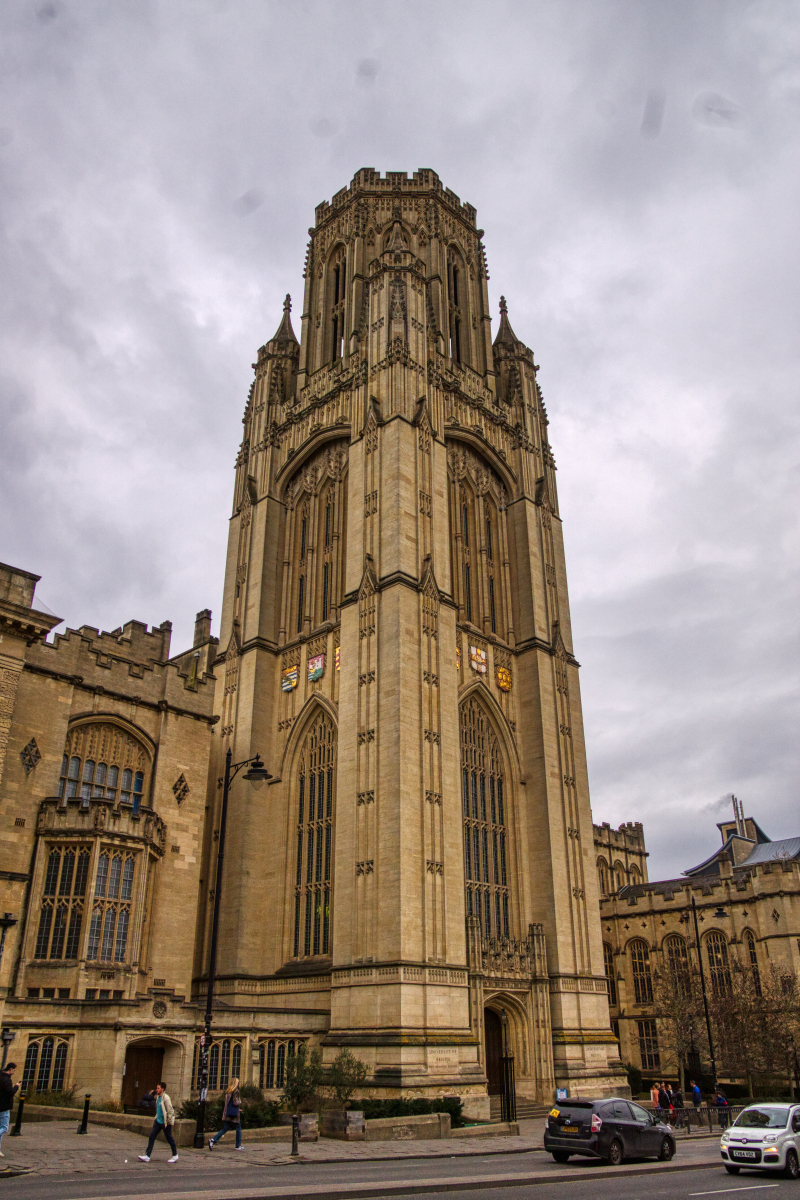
257,774
703,989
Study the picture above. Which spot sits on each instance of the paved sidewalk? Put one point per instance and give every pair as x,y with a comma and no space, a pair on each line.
54,1148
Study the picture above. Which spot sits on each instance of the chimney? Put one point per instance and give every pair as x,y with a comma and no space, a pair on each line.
202,627
166,637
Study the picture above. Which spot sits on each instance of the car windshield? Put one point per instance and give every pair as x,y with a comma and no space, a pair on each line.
763,1117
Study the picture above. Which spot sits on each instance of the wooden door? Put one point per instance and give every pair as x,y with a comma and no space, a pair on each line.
493,1034
143,1066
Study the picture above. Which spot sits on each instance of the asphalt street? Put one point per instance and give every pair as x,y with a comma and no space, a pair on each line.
695,1173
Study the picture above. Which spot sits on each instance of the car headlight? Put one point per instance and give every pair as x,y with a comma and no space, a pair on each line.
726,1137
771,1138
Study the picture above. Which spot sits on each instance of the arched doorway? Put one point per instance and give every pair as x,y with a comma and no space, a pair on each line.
493,1043
144,1068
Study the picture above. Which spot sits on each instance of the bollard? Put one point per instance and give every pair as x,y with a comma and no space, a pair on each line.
17,1130
84,1125
295,1132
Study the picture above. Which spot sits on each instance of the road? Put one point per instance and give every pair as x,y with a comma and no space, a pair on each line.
695,1174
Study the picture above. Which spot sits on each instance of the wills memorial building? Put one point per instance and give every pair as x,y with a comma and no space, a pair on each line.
417,882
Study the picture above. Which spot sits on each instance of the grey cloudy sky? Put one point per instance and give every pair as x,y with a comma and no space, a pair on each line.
635,166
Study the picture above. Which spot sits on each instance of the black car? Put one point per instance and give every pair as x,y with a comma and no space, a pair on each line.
612,1129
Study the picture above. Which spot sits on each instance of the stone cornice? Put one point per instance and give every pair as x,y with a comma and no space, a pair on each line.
27,624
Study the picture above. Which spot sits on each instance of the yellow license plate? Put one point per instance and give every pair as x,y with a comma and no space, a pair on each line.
569,1128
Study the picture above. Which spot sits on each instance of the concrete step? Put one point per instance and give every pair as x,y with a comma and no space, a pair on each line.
526,1109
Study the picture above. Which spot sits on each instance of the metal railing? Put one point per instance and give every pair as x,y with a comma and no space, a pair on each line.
705,1118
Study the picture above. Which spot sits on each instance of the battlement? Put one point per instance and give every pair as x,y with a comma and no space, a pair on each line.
133,641
629,836
422,182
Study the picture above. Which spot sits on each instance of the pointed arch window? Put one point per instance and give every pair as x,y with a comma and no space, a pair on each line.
103,762
337,274
456,295
484,804
316,802
315,543
602,876
717,951
479,544
677,958
45,1065
642,978
608,964
752,960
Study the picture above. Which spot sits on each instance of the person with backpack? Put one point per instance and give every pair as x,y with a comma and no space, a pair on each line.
723,1109
231,1115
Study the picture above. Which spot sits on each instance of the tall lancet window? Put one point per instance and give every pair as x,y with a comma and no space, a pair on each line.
337,290
456,295
484,802
316,801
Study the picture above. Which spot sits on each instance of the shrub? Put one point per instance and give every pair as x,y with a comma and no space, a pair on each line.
63,1099
303,1077
345,1074
257,1112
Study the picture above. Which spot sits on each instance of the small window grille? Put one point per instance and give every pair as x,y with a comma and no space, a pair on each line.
30,756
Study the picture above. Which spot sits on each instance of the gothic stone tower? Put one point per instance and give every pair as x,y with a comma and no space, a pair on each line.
418,882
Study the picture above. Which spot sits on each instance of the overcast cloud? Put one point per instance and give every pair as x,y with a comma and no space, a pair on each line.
635,166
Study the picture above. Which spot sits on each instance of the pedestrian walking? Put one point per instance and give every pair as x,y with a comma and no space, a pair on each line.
231,1115
7,1091
723,1109
654,1094
677,1101
697,1099
165,1119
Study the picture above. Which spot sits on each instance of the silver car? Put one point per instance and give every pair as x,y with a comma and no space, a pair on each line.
765,1137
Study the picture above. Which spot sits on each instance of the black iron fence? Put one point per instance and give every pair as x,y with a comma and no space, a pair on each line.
508,1096
708,1118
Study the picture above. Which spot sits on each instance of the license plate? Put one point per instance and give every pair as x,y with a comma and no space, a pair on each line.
569,1128
745,1153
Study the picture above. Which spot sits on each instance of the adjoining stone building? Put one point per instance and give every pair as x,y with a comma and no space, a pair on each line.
747,894
417,882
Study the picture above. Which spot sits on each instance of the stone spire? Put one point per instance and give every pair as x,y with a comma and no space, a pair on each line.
285,333
505,333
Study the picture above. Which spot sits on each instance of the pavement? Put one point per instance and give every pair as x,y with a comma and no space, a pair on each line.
104,1164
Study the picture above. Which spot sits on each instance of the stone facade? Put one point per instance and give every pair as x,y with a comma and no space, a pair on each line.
417,880
747,895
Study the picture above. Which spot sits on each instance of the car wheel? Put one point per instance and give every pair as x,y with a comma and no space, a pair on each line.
667,1149
792,1165
615,1153
561,1156
732,1170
